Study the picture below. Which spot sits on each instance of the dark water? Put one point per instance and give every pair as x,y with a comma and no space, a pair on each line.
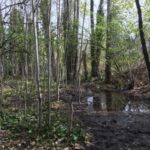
117,102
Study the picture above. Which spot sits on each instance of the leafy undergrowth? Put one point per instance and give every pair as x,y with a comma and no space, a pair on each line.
22,132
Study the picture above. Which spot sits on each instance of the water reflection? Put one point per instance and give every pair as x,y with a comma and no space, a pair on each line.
90,107
103,102
137,107
111,101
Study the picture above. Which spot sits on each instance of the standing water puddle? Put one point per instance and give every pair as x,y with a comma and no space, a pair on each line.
116,102
116,122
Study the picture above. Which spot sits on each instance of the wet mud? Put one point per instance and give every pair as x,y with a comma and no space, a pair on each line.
115,122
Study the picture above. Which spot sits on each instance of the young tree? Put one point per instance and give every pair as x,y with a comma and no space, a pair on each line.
49,61
93,59
45,7
2,36
26,57
58,45
34,9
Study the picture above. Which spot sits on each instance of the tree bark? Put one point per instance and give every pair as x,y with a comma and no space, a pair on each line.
108,43
49,63
99,36
2,34
142,36
58,47
1,84
37,64
70,25
26,58
93,59
85,63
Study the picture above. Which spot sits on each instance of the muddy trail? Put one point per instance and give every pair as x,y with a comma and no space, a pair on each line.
115,121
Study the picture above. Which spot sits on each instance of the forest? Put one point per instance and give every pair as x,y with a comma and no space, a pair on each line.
74,74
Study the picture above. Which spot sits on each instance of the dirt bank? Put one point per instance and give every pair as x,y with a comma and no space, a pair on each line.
114,131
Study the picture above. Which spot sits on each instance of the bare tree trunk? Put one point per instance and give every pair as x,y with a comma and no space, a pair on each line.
82,34
1,84
71,115
85,63
70,26
37,63
1,63
76,29
99,36
108,43
66,28
58,47
80,53
93,60
49,62
143,42
84,52
26,58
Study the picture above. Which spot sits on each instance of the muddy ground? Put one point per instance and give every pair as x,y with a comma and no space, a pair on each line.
116,131
119,127
107,125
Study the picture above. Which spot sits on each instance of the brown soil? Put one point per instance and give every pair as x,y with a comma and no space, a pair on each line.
114,131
